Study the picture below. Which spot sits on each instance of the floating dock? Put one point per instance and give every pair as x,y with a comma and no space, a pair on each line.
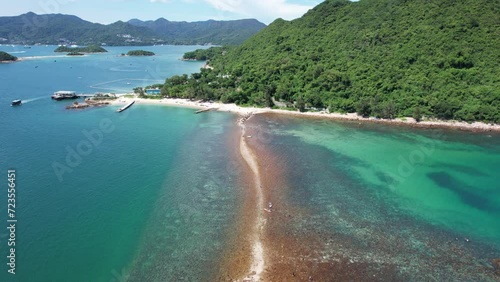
62,95
125,107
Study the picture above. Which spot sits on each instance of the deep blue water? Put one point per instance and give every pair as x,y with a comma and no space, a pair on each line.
89,181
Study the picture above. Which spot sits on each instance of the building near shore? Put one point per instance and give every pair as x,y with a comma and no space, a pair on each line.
153,91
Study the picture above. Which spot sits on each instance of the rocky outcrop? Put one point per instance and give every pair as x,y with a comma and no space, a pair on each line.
496,265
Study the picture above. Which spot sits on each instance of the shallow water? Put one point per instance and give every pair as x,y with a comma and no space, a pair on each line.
422,203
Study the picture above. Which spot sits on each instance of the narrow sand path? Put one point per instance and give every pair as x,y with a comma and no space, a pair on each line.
258,261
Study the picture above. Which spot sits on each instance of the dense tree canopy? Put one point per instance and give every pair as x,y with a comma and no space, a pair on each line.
140,53
204,54
383,58
4,57
204,32
88,49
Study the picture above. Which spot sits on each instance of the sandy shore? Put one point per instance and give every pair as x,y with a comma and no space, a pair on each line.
265,246
476,126
258,261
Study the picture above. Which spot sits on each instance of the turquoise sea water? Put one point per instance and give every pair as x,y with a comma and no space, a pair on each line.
87,220
448,179
152,193
424,201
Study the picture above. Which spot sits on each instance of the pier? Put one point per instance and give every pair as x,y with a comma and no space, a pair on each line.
85,95
63,95
125,107
206,110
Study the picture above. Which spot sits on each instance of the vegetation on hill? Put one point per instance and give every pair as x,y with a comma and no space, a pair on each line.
204,54
54,29
5,57
31,28
382,58
140,53
88,49
203,32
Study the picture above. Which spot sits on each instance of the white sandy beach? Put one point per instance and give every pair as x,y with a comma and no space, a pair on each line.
476,126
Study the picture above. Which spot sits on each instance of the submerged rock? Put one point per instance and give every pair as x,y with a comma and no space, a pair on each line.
496,265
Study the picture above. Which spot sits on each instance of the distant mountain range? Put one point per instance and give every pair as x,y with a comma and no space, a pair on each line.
31,28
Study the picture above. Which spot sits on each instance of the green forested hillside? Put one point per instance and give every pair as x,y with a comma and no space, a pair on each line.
31,28
204,54
140,53
203,32
383,58
87,49
4,57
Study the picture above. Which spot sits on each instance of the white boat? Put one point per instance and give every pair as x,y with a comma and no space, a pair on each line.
16,103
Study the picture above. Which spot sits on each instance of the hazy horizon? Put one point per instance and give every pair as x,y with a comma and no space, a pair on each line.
111,11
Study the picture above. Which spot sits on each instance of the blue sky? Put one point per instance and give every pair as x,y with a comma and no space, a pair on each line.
108,11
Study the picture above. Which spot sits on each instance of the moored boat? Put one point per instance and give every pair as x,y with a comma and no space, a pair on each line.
61,95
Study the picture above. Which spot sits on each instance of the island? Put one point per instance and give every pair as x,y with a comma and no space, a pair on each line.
140,53
6,57
88,49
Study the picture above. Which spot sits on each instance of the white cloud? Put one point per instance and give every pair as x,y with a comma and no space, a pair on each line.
266,10
159,1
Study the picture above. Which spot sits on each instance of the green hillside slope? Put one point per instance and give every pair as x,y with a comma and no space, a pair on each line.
31,28
215,32
6,57
383,58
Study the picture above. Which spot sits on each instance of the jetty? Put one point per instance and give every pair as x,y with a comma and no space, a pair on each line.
206,110
63,95
125,107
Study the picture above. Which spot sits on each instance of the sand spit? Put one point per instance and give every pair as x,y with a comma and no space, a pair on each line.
42,57
258,262
409,122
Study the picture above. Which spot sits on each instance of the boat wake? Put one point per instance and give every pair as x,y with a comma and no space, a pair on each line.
33,99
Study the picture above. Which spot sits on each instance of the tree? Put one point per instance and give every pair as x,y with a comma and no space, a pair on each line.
139,91
363,107
417,114
300,104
